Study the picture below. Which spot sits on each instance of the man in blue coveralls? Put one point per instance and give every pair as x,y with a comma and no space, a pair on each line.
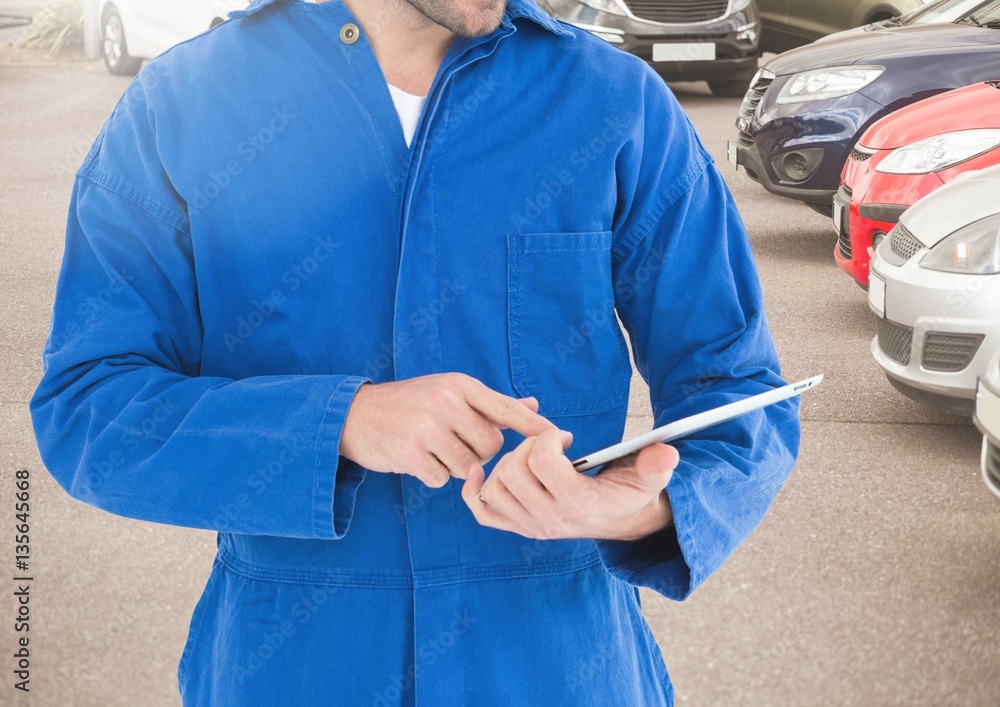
341,283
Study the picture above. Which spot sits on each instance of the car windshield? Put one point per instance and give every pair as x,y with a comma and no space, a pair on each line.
944,11
988,16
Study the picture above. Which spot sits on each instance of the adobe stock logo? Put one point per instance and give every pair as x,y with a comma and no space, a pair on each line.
249,150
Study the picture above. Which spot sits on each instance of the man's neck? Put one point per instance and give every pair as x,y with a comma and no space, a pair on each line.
408,46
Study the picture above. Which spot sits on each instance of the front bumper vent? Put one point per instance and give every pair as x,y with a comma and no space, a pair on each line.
859,156
895,341
678,12
950,353
844,195
903,243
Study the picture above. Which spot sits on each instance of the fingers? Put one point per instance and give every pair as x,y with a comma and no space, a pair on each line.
657,458
530,402
481,436
551,467
432,472
484,514
505,412
649,470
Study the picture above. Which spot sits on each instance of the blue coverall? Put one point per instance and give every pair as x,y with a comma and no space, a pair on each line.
250,239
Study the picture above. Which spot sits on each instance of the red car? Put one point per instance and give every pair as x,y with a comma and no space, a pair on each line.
905,156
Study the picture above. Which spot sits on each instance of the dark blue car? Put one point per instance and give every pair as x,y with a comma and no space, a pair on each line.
806,108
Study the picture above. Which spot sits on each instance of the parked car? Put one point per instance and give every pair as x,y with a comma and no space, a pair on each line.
134,30
936,11
792,23
935,289
907,155
987,419
807,108
684,40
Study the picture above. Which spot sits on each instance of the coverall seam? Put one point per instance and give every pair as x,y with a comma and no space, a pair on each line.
631,239
129,193
417,580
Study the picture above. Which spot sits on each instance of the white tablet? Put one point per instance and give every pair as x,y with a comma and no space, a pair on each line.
696,423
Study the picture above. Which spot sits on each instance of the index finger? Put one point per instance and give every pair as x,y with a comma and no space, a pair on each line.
506,412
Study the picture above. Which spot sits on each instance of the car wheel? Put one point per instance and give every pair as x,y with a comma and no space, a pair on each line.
733,88
116,56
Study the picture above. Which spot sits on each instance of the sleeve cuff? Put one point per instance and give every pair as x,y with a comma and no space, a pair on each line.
662,561
337,478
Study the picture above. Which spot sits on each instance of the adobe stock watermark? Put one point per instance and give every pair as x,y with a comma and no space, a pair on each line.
163,411
580,160
275,640
260,310
218,180
258,482
91,307
417,323
427,654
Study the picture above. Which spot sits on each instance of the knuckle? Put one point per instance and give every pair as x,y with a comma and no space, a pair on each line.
439,396
505,406
493,440
457,380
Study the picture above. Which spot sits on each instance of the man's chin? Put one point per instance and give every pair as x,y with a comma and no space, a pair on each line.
470,27
466,22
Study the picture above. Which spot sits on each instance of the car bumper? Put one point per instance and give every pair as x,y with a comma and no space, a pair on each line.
987,419
872,203
936,332
715,50
773,136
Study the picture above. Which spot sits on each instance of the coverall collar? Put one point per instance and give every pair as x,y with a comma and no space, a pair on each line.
515,8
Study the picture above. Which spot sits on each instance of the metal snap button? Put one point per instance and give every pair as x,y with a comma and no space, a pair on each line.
349,33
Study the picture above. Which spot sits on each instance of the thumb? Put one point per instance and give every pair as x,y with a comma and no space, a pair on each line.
655,462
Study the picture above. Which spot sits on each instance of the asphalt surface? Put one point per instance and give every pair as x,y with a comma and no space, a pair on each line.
874,580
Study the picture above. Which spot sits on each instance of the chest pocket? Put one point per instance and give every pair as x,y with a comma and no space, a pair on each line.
566,347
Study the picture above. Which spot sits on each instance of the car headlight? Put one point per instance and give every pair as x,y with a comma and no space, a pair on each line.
939,152
828,83
738,5
613,7
971,250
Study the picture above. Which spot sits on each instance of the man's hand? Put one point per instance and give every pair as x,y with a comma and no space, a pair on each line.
535,491
433,427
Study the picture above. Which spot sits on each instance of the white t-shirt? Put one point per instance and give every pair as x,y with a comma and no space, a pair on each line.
408,107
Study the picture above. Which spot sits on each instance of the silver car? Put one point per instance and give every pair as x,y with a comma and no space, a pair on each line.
684,40
987,419
935,292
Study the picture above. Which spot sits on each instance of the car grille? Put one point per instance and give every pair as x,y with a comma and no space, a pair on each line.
844,238
751,100
903,243
895,341
950,352
678,12
859,156
992,463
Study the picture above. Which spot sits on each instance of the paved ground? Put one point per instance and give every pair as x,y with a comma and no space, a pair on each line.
874,581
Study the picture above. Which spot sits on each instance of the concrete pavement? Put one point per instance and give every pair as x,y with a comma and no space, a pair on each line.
874,580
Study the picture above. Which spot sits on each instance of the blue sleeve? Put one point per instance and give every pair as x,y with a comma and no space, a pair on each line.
688,294
122,417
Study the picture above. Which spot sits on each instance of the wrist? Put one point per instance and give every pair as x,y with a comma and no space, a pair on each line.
653,518
353,422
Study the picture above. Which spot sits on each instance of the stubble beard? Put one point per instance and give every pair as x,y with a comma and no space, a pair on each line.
466,18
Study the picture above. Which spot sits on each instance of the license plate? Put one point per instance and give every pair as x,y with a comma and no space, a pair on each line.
733,155
684,52
876,294
838,216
